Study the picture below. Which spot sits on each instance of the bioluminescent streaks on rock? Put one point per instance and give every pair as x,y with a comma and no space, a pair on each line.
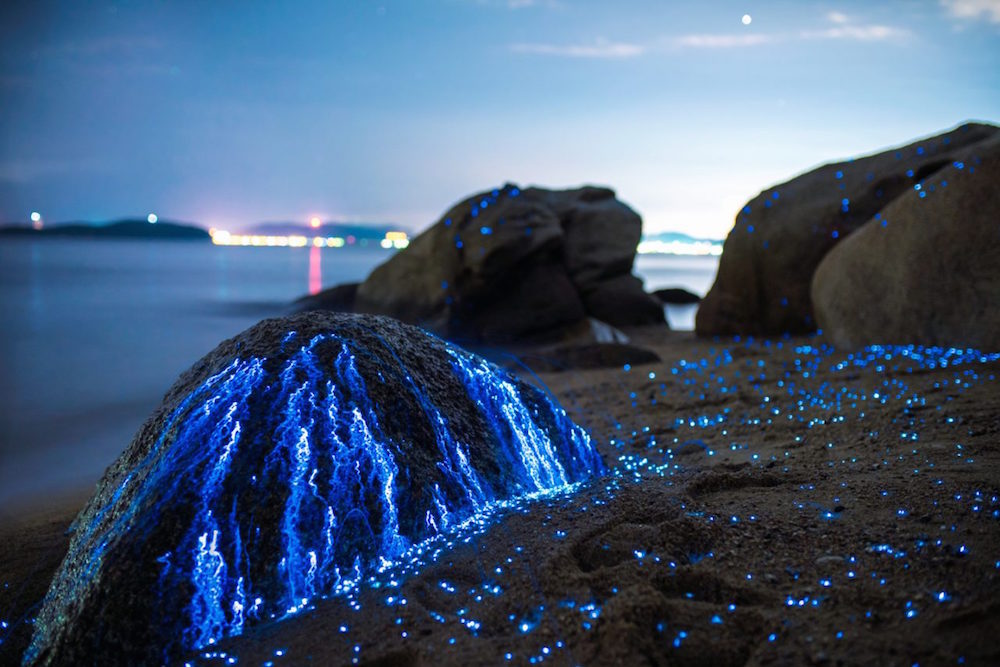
289,466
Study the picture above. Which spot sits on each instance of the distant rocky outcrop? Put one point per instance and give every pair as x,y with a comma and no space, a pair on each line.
926,270
290,463
781,236
676,296
511,264
121,229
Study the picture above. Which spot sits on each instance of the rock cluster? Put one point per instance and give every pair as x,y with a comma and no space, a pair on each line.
781,236
511,265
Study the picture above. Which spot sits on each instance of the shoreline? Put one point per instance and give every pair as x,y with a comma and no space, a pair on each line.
806,508
31,509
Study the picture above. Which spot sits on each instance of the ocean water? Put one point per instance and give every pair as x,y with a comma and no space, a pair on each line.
695,274
93,333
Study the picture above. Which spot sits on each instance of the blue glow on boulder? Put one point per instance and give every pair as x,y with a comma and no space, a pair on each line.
279,480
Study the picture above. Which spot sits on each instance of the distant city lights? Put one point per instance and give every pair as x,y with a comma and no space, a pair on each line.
315,222
397,240
151,218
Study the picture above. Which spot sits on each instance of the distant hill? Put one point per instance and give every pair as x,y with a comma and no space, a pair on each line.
678,237
677,243
123,229
358,230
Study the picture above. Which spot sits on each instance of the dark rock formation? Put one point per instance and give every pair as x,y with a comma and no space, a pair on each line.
676,296
780,236
337,299
288,464
926,270
510,265
622,302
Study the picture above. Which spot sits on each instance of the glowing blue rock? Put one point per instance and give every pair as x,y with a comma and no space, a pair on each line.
290,463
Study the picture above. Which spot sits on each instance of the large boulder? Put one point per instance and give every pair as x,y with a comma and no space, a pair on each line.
293,462
926,270
511,264
780,236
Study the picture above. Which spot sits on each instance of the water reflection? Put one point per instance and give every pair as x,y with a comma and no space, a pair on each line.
315,270
221,276
37,302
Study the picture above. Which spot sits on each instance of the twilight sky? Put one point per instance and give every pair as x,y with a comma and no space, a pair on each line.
231,112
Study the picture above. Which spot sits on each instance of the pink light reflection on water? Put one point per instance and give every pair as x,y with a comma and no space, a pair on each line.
315,270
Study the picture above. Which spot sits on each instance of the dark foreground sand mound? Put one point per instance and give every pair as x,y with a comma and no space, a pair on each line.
773,503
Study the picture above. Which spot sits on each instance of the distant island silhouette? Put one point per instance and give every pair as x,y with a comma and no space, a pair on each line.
142,229
126,229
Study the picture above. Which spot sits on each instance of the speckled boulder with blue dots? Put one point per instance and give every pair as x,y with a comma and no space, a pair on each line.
763,283
509,264
293,462
926,269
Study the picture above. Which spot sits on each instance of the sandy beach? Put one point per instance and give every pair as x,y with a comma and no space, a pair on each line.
770,502
488,332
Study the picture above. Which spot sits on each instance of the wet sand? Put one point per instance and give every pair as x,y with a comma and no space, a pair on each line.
771,503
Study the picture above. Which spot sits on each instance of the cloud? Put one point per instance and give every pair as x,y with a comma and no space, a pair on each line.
601,49
862,33
973,9
845,28
520,4
721,41
110,56
24,171
842,28
105,46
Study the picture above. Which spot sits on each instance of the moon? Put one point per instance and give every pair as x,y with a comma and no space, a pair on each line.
746,19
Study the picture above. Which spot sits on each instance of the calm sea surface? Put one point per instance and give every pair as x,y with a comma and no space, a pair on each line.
92,333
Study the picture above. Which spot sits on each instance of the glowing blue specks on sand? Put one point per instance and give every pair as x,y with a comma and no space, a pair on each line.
286,486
